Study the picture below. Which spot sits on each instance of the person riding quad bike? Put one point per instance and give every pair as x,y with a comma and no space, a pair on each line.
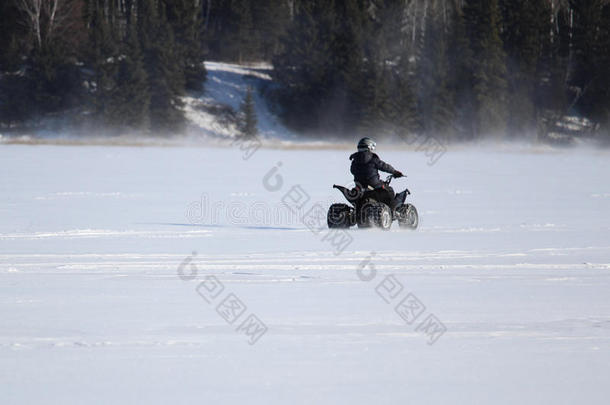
365,168
373,202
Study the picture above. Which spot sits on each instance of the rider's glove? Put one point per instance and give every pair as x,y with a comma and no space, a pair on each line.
398,174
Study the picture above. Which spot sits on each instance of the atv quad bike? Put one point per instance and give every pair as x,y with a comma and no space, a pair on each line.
371,208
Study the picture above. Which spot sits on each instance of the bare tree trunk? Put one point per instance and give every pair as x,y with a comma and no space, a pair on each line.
291,8
424,18
32,10
47,19
52,13
413,22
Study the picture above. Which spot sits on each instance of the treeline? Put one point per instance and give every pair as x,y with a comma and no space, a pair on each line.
100,64
458,69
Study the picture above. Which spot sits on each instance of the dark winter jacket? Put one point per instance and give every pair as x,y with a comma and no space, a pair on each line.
365,166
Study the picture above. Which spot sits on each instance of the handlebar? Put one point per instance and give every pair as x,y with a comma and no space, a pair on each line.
389,179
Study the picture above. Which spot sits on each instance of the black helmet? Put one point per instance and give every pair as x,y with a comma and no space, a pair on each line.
366,144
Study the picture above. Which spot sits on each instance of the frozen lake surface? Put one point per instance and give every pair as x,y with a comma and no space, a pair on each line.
500,297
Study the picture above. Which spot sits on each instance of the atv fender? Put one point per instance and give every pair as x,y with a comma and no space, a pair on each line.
351,195
400,198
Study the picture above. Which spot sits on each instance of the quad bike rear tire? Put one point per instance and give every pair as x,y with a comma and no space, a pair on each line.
365,214
375,214
384,217
407,216
340,216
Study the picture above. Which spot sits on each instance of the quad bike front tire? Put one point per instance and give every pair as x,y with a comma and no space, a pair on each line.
407,216
340,216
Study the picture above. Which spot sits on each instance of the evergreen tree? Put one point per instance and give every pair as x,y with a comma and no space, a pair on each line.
320,70
551,99
435,96
245,30
482,18
248,120
403,101
372,88
301,70
55,83
527,24
11,37
601,90
460,77
185,19
15,97
233,36
165,79
15,101
130,99
339,110
590,46
271,19
104,55
373,97
402,114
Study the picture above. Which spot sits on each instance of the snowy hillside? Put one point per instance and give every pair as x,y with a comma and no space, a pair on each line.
213,114
118,265
211,117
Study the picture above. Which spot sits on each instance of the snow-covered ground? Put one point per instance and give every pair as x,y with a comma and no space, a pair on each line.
103,300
